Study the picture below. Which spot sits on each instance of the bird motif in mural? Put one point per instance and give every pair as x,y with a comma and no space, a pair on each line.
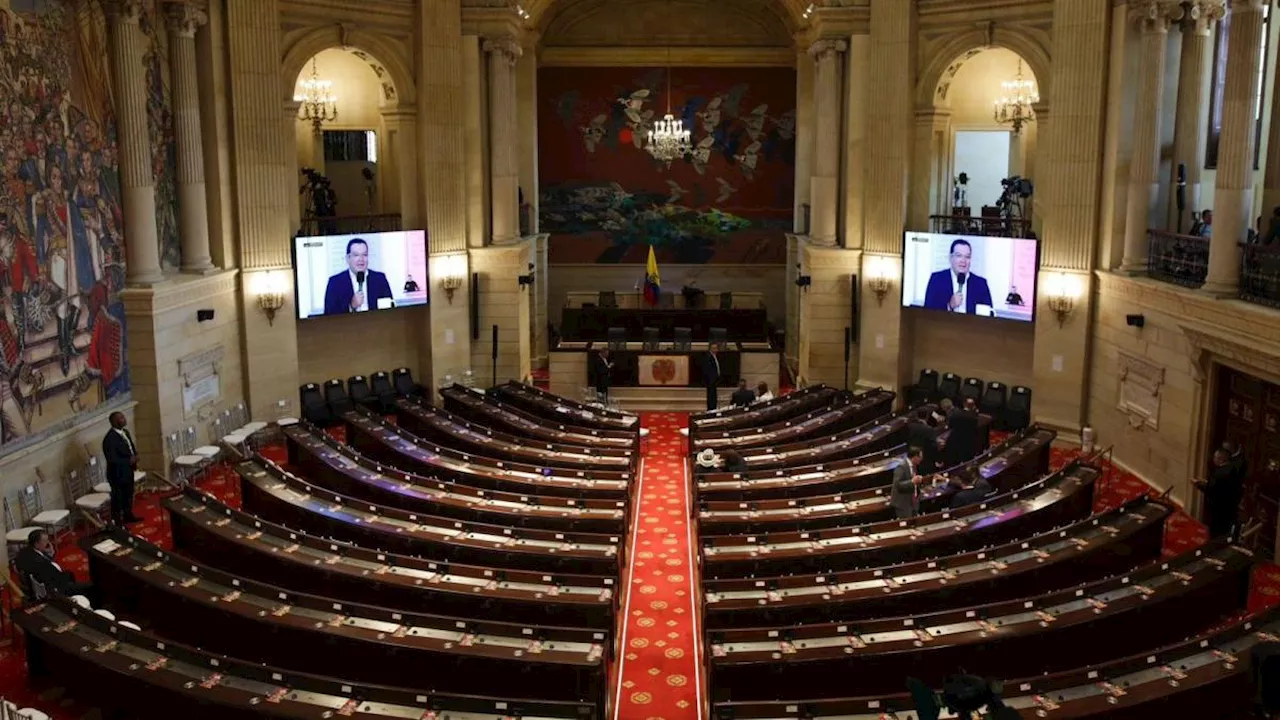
726,191
593,134
748,159
702,154
639,119
786,125
710,116
677,192
755,122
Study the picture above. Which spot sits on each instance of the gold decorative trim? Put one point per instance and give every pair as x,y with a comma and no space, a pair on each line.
658,57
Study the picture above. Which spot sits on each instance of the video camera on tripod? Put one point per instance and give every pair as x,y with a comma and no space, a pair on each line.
1012,202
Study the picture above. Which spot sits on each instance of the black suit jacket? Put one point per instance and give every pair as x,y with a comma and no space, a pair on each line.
119,459
937,294
925,437
35,565
972,496
710,370
962,441
601,371
338,294
742,396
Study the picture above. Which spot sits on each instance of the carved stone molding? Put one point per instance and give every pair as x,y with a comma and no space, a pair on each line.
184,20
1141,382
1156,15
123,11
825,48
1246,353
1201,15
507,46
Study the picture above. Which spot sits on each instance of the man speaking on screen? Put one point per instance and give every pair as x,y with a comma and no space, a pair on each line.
956,289
358,288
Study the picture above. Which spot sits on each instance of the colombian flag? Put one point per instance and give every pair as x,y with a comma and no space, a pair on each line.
652,283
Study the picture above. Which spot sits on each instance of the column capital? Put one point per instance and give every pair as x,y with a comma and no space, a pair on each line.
399,115
827,47
123,11
1155,16
1200,15
505,45
183,19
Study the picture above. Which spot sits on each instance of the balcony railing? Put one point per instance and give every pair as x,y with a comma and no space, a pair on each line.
1177,259
1260,274
980,226
349,224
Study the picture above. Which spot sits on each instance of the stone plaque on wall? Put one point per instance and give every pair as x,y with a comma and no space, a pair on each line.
1140,387
201,380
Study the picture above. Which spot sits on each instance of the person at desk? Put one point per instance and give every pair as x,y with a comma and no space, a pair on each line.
357,288
732,461
742,397
762,392
956,289
904,497
602,367
711,376
705,462
965,492
1223,492
41,574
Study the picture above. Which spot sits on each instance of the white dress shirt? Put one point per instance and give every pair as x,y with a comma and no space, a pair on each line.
355,288
765,397
957,289
128,440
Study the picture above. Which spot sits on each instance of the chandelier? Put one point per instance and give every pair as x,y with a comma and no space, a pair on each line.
317,102
669,140
1014,106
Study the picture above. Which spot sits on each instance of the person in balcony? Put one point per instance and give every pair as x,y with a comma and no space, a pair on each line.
1203,226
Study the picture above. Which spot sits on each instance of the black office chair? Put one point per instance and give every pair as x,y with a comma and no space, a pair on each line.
683,338
335,396
718,336
359,393
608,299
617,338
381,387
972,389
314,409
1017,410
924,389
402,381
726,301
992,402
949,387
651,338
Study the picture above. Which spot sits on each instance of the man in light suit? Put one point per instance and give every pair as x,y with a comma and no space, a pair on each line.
956,289
357,288
905,494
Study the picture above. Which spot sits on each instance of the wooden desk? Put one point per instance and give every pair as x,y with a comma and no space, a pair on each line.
1061,498
831,451
1109,544
781,407
594,323
273,494
142,675
562,409
329,464
635,300
1119,615
844,413
1205,676
223,612
484,410
236,541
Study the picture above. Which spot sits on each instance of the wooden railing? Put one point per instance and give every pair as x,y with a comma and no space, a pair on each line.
350,224
980,226
1176,258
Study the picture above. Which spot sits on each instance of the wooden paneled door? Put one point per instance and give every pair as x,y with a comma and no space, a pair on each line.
1248,413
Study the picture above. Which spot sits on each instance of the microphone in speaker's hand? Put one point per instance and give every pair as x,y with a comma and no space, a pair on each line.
360,278
960,277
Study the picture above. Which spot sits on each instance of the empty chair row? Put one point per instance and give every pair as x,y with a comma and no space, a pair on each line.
1011,408
323,403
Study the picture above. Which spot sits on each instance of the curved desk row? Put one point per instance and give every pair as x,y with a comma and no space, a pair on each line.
211,532
141,675
545,404
847,411
1122,614
225,613
1107,544
1060,498
484,410
781,407
330,464
274,494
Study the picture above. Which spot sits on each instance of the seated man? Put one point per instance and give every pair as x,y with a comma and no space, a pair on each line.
762,392
706,461
969,491
732,461
41,575
742,397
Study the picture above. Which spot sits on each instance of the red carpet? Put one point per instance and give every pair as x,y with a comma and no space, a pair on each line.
659,674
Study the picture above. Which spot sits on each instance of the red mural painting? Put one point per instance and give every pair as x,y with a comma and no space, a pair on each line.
605,199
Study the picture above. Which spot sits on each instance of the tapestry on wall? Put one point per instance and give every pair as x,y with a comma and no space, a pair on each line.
605,199
62,341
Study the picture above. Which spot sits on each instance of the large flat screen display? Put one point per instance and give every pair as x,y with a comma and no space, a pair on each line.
971,275
364,272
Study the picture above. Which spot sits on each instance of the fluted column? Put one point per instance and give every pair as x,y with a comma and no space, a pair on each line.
825,185
292,175
1153,17
1271,180
1233,192
504,171
1189,127
193,213
137,183
402,146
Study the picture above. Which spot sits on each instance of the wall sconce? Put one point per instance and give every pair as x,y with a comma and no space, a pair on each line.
1061,296
453,271
272,287
880,277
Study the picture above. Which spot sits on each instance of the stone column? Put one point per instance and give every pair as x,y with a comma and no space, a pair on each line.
804,138
527,128
402,147
928,157
825,185
857,84
1153,17
1189,128
504,172
1271,179
137,183
1233,192
193,213
292,175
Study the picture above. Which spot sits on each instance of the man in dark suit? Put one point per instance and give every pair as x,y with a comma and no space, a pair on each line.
41,573
1223,492
122,460
904,497
963,437
711,376
924,435
602,369
742,396
970,492
357,288
956,289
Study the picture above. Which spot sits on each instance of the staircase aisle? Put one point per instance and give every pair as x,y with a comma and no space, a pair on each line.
659,673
